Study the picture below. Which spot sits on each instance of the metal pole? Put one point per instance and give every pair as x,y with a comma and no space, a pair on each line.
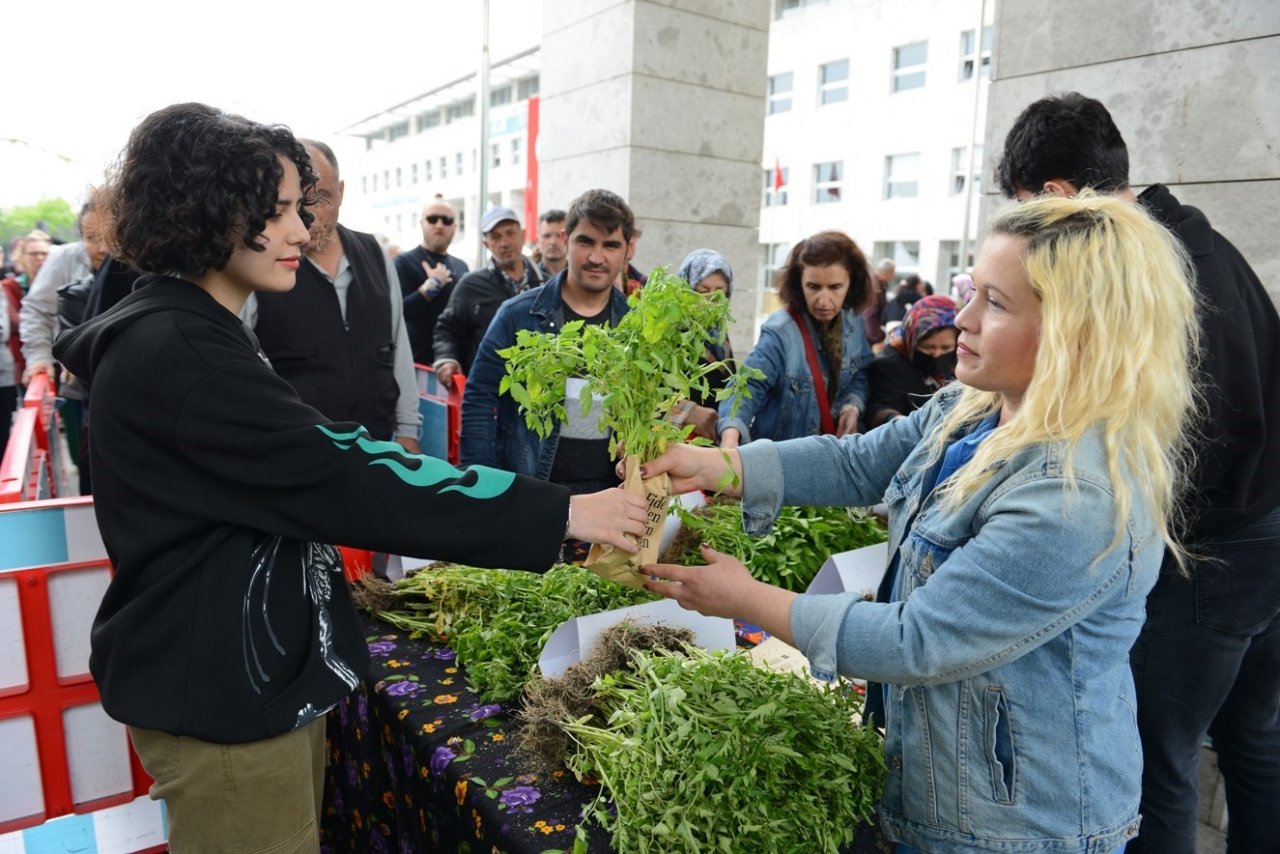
973,133
482,203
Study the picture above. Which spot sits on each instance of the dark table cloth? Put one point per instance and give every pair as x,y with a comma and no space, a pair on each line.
417,763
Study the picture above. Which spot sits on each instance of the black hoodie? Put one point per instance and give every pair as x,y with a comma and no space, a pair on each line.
224,620
1236,480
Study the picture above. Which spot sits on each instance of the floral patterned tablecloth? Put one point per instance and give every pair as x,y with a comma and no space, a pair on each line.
417,763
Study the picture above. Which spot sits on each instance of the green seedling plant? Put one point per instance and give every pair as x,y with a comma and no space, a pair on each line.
640,369
790,555
710,753
498,620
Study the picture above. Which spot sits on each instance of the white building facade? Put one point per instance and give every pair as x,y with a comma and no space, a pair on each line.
871,108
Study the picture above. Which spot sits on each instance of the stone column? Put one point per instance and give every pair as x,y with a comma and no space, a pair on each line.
663,102
1193,86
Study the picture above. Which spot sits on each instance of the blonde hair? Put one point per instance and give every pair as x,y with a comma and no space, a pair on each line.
1118,347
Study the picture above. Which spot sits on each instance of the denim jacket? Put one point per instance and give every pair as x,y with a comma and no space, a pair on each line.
1010,704
783,405
494,432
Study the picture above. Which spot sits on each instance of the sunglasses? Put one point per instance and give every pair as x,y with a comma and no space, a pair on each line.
436,218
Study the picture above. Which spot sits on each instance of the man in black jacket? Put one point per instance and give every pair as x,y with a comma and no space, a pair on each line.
1208,659
428,274
476,298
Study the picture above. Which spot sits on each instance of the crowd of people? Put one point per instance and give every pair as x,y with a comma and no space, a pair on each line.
1077,444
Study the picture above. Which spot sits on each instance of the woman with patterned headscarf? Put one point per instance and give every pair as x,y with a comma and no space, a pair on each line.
920,359
707,271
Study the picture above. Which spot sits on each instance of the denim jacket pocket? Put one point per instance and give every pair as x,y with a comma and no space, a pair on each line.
922,555
998,729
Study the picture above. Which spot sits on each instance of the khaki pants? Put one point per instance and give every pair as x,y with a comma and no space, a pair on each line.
264,796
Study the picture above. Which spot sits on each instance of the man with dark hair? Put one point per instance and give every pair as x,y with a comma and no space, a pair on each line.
339,337
576,454
475,300
1208,659
428,274
551,243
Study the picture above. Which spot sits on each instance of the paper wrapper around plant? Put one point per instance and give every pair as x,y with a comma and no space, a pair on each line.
613,563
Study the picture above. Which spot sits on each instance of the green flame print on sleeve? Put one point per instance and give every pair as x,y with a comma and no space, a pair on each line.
421,470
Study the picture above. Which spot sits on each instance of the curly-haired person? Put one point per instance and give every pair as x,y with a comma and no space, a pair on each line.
227,630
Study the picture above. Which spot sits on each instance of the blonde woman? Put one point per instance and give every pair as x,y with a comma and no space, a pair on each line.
1029,509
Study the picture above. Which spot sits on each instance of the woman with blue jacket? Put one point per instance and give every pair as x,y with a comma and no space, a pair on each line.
813,353
1029,509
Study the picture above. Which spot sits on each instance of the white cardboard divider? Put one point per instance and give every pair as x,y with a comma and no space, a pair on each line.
671,527
858,571
575,639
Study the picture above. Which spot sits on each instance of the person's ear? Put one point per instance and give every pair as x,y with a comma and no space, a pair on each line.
1059,187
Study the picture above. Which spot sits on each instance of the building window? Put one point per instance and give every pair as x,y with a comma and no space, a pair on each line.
426,120
364,184
527,88
516,145
949,264
386,179
460,110
827,178
909,62
833,82
773,257
399,223
426,171
375,182
444,167
786,8
495,155
901,176
775,195
499,96
780,93
905,254
398,130
966,54
413,173
960,168
457,163
399,177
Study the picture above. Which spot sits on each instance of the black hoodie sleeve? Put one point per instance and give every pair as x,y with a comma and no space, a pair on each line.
272,463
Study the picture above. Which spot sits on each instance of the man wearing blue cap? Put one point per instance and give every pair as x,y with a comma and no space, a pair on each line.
476,297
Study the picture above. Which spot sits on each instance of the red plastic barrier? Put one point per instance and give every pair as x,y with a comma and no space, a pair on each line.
47,696
24,460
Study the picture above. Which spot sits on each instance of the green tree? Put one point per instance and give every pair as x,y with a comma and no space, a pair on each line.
57,217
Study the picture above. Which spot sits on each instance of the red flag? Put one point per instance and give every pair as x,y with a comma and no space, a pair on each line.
778,183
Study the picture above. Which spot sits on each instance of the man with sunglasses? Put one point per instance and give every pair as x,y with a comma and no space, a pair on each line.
427,276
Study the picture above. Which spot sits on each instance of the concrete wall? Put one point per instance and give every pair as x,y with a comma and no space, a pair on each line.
661,101
1194,86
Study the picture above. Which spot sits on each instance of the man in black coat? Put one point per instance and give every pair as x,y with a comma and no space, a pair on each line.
476,298
1208,659
428,274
